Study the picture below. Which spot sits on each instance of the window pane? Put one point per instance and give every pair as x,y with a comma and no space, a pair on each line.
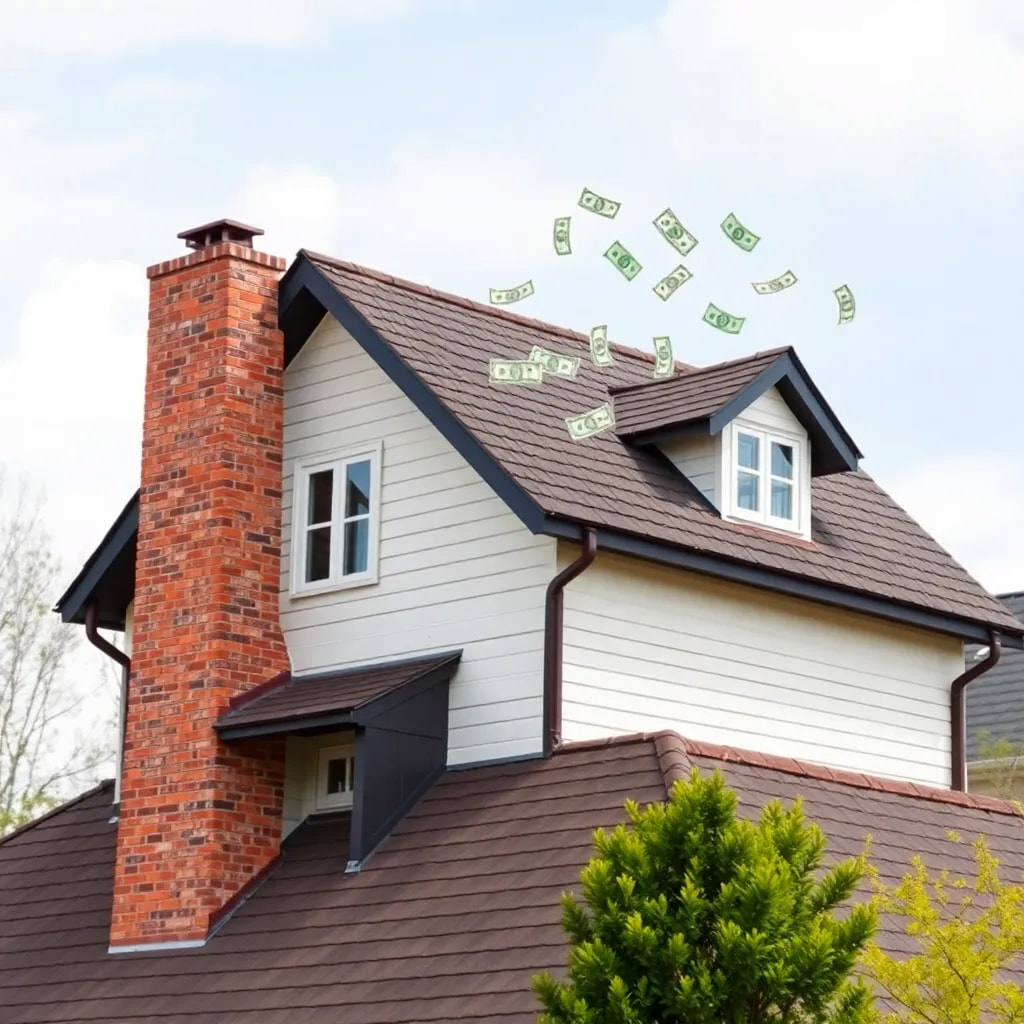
357,546
782,499
337,775
357,489
782,460
749,451
746,490
318,554
320,487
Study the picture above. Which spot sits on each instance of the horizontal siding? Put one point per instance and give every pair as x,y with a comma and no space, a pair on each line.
650,648
457,569
697,458
772,412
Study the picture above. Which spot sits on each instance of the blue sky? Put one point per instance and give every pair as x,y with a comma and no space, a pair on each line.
881,146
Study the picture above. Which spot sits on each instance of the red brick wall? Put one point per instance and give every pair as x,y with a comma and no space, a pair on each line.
200,818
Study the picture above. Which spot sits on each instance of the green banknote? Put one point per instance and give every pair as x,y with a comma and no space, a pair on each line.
674,233
776,284
503,296
598,204
667,285
554,364
587,424
515,371
743,237
599,351
663,362
623,260
722,320
562,236
847,307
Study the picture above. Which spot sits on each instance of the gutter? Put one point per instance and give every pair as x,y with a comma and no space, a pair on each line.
553,629
92,619
957,718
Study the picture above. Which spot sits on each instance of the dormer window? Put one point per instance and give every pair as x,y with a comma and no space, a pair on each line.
765,476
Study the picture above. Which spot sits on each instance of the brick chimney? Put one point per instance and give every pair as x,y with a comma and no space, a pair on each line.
199,821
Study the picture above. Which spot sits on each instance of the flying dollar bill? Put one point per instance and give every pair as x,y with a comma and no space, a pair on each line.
668,285
847,307
503,296
598,204
562,236
587,424
554,364
744,238
663,362
515,371
776,284
623,260
674,233
722,320
599,351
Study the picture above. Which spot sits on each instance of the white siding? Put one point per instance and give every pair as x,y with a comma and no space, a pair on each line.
771,412
699,460
300,775
648,647
457,568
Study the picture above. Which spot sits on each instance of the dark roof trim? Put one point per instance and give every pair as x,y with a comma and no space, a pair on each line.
71,604
832,448
305,281
793,586
358,715
100,787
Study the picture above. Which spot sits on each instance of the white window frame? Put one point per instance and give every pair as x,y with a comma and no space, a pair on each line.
800,522
336,579
324,801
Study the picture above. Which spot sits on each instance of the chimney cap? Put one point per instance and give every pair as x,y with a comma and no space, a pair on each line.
220,231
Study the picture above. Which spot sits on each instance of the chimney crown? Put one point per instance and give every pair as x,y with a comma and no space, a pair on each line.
218,231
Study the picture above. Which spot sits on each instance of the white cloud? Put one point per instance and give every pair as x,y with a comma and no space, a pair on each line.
71,398
436,217
972,505
794,86
106,27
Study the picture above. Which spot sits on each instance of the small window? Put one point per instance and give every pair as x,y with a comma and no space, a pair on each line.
336,512
335,778
765,475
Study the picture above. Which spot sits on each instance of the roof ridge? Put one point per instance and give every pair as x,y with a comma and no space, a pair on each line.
481,307
66,806
858,780
674,751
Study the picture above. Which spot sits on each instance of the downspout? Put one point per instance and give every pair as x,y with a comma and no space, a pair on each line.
92,618
957,718
553,606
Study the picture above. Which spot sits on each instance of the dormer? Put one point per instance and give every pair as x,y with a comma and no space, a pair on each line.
748,434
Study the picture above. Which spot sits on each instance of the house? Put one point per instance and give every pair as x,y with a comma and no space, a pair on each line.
995,718
397,642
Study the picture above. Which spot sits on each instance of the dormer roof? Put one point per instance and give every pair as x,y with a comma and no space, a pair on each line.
703,401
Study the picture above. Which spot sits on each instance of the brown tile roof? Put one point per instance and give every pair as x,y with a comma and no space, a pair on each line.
688,397
862,540
286,699
450,918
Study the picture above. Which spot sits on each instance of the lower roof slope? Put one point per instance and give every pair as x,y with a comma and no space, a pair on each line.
448,921
995,701
862,541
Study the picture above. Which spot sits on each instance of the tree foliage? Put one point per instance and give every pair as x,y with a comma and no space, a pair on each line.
40,750
968,932
1002,764
693,915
